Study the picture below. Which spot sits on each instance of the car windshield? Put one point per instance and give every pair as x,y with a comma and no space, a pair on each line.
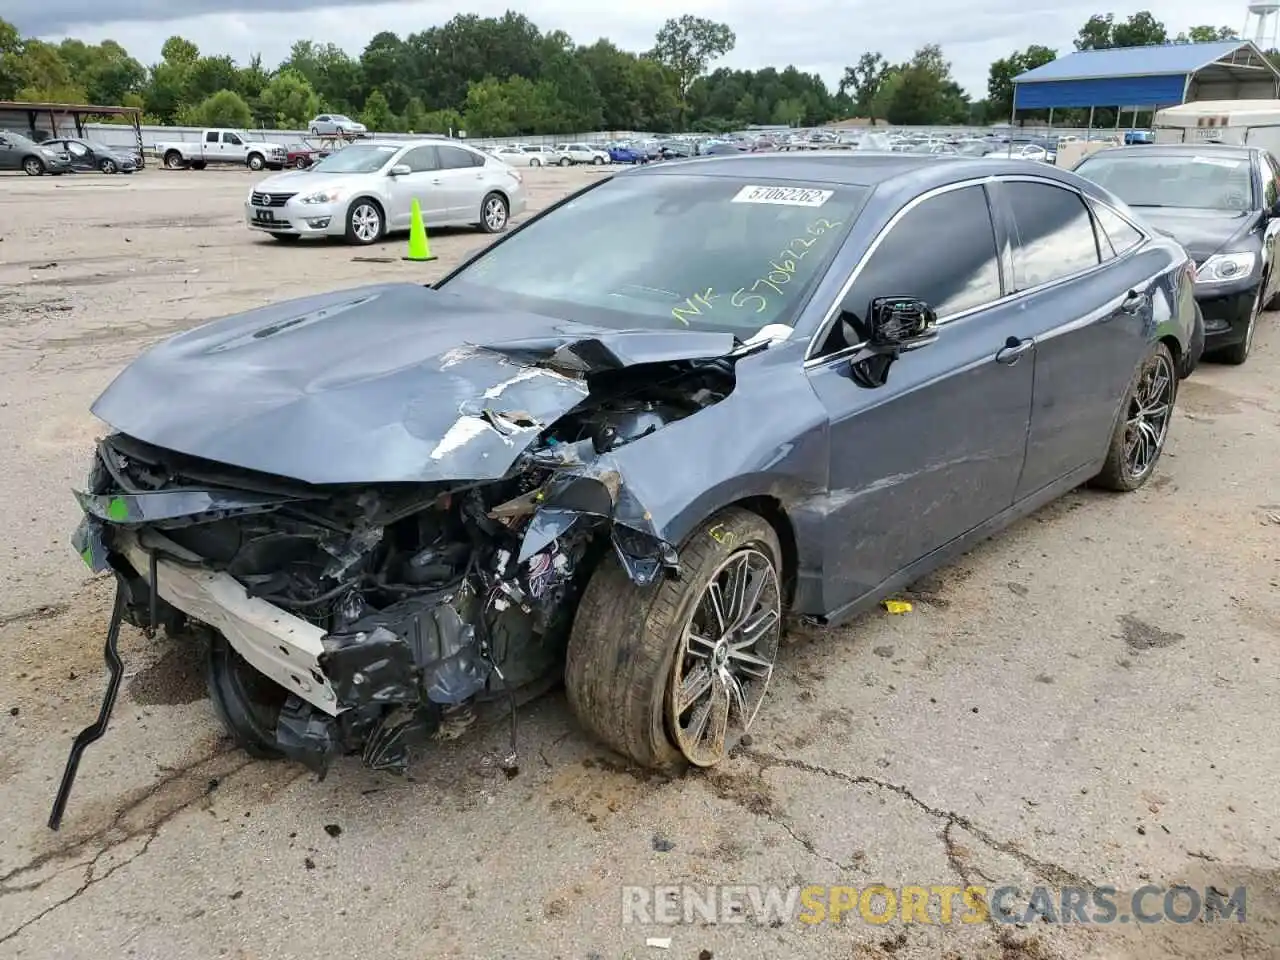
357,158
701,252
1205,181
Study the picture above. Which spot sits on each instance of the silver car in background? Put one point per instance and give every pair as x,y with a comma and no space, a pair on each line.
336,124
366,190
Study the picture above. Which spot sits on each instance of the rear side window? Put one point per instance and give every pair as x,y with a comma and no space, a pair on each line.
1053,231
1115,236
943,252
453,158
211,136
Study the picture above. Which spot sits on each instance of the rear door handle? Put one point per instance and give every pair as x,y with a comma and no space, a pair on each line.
1013,348
436,180
1133,302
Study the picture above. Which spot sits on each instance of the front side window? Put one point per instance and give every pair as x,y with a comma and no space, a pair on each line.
942,251
421,159
1053,231
358,158
78,149
1145,177
232,139
706,253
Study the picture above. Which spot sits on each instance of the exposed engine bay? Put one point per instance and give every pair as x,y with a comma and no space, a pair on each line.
397,610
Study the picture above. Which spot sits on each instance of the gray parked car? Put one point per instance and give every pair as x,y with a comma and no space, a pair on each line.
21,153
365,191
335,124
86,156
806,381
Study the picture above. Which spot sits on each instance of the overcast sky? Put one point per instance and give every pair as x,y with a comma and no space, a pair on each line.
819,36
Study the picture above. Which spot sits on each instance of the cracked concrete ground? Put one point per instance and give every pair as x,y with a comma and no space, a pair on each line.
1083,701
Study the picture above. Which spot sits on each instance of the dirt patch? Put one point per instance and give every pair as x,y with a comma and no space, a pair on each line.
1200,398
750,792
173,679
1140,635
935,588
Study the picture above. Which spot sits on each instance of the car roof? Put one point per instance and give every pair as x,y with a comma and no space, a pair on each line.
1183,149
849,168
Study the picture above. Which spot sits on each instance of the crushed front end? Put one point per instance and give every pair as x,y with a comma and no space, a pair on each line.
363,619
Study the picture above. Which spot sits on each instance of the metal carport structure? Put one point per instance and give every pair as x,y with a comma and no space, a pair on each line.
1152,77
65,119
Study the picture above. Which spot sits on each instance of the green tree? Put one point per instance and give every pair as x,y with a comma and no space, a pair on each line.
42,75
999,104
1207,34
10,51
686,45
924,91
863,81
291,101
377,114
226,108
1102,32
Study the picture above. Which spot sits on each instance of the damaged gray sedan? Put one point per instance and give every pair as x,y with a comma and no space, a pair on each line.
801,383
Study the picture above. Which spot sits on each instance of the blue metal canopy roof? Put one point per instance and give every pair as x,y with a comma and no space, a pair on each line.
1131,76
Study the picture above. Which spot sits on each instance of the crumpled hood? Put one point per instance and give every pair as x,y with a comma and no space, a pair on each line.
1202,233
380,384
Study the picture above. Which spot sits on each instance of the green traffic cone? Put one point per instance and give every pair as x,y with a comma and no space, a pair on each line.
419,249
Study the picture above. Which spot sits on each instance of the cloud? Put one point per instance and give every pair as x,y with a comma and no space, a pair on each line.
817,36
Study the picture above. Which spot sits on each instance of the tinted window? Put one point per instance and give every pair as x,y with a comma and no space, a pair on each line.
943,252
421,158
1054,233
454,158
211,136
1114,232
232,139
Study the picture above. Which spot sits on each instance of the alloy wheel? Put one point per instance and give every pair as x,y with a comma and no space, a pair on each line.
108,166
726,657
495,214
32,167
1150,412
366,223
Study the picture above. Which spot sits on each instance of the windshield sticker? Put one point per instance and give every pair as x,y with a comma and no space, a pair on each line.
783,196
1218,162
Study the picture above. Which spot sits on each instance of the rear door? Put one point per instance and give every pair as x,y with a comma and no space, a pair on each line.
460,181
938,448
211,148
1089,309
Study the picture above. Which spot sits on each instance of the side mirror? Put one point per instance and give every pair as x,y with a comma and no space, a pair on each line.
899,324
399,170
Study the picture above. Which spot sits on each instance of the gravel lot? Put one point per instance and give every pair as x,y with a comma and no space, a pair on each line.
1081,701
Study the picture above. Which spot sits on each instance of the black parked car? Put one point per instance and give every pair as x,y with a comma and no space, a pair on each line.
1222,204
87,157
813,378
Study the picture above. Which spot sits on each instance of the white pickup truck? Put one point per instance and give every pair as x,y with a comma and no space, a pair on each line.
220,145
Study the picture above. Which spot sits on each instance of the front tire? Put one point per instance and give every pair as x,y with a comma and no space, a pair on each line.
535,162
33,167
256,162
108,166
1139,436
494,213
597,160
247,702
565,161
365,222
675,672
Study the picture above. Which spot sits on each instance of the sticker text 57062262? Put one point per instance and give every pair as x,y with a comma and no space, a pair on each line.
784,196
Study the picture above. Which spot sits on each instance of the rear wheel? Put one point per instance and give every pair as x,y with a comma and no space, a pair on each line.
597,159
247,703
565,161
676,672
173,160
535,162
1139,435
302,163
33,167
494,213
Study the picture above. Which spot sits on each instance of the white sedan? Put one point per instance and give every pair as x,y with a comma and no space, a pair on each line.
512,155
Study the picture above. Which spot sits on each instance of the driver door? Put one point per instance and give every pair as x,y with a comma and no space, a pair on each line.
233,148
938,448
419,184
82,157
1270,196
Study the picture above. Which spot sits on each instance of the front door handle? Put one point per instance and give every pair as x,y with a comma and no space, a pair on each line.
1013,349
1133,302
